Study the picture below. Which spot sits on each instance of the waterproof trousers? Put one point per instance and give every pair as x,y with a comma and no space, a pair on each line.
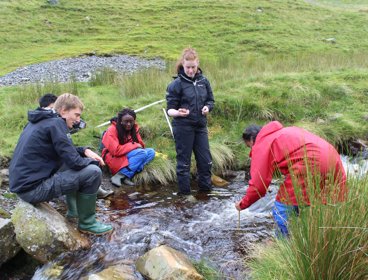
137,159
86,180
281,213
188,139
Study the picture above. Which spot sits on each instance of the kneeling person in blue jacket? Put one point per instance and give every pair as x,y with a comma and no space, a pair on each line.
46,164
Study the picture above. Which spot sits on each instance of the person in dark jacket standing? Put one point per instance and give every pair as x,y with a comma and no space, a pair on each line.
189,100
46,164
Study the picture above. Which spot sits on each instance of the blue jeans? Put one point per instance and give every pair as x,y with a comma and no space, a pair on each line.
281,213
137,159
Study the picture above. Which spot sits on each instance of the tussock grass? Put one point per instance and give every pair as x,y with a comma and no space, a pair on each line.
161,170
328,240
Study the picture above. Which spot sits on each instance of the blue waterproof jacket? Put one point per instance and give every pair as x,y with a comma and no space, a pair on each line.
190,93
43,147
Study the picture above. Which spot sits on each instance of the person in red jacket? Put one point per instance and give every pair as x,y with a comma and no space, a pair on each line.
124,151
300,156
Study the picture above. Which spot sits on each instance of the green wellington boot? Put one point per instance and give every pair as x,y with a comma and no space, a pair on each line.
71,202
86,205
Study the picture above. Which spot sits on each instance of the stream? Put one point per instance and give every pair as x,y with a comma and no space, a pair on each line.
145,217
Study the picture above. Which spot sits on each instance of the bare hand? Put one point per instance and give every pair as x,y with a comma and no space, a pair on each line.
205,110
237,205
90,154
183,112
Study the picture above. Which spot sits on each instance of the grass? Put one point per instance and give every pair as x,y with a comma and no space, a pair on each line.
328,241
162,28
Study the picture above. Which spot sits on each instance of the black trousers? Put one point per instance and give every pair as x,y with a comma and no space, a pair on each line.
188,139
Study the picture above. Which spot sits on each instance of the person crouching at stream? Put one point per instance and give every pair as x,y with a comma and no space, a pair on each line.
46,164
304,159
123,148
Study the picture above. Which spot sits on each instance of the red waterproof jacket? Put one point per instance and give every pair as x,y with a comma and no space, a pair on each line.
115,154
292,151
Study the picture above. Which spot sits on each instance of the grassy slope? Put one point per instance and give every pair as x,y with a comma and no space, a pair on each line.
162,28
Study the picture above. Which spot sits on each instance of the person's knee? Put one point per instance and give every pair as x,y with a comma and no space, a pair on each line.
93,170
91,173
150,154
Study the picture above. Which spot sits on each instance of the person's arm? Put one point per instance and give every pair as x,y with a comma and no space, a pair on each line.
210,101
111,142
261,171
139,137
173,100
91,154
65,149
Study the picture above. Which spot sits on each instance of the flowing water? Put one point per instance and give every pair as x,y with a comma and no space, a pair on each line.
145,217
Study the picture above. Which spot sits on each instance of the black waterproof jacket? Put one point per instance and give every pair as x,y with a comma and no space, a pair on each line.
192,94
43,147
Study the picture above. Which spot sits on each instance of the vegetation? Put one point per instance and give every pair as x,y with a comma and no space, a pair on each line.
328,241
300,62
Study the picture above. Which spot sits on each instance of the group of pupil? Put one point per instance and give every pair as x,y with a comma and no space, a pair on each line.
46,164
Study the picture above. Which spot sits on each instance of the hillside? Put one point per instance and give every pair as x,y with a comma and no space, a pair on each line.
34,31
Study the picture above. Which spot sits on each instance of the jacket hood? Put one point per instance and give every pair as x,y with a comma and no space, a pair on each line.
268,129
40,114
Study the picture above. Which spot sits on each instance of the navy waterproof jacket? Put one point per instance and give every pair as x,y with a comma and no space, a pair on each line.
43,147
190,93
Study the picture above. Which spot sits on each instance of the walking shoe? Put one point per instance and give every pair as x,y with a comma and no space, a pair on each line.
101,193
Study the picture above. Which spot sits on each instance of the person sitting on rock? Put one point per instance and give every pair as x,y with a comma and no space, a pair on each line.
46,164
46,102
124,150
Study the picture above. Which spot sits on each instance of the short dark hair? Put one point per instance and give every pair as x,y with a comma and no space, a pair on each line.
47,99
251,132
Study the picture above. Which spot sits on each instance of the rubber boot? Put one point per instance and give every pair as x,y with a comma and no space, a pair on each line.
86,205
117,179
101,193
71,202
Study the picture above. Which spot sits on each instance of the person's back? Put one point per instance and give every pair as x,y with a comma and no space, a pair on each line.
308,163
34,157
294,152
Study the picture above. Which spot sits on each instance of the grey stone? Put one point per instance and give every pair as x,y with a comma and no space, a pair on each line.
43,233
9,247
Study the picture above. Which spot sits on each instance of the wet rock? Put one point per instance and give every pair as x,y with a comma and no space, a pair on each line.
166,263
43,233
9,247
116,272
218,181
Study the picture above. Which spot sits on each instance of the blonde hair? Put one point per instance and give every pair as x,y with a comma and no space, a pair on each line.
187,54
68,101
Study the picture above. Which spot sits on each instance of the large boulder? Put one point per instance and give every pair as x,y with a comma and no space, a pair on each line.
116,272
9,247
164,263
43,233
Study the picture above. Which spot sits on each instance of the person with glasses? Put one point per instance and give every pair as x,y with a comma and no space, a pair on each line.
124,150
